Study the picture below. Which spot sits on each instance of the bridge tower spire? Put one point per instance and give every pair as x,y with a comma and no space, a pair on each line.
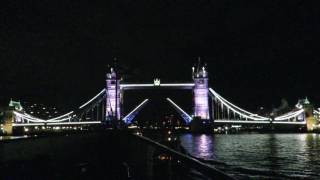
113,95
200,92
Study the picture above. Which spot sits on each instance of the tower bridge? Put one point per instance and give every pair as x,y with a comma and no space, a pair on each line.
208,105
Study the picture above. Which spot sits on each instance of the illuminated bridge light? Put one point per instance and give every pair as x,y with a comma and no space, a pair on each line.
95,97
187,118
164,85
128,118
236,109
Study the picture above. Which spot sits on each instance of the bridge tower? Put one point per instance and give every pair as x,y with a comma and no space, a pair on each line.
200,93
113,96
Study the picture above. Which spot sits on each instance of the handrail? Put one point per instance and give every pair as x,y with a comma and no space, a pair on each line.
192,162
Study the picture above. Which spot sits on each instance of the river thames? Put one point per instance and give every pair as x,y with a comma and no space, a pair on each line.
259,156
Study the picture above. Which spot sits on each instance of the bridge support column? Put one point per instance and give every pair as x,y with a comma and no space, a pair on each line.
310,119
113,96
8,120
200,93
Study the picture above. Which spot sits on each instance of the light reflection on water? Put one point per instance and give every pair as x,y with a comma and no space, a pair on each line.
259,155
2,138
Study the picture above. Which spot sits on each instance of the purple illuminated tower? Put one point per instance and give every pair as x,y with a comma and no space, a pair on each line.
200,93
113,96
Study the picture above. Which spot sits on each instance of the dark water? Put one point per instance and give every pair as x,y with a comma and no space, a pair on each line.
259,156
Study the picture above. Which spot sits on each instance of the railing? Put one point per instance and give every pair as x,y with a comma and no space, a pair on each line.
209,172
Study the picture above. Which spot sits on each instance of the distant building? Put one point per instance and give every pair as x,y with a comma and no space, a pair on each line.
306,105
15,105
309,113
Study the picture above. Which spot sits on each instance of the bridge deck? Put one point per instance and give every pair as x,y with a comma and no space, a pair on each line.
55,123
153,86
225,121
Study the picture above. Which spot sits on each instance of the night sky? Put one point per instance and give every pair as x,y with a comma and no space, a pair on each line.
257,51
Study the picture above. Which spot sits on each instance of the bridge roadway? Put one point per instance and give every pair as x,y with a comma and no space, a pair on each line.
218,121
226,121
152,86
56,123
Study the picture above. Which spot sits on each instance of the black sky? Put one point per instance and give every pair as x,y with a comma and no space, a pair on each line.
57,52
